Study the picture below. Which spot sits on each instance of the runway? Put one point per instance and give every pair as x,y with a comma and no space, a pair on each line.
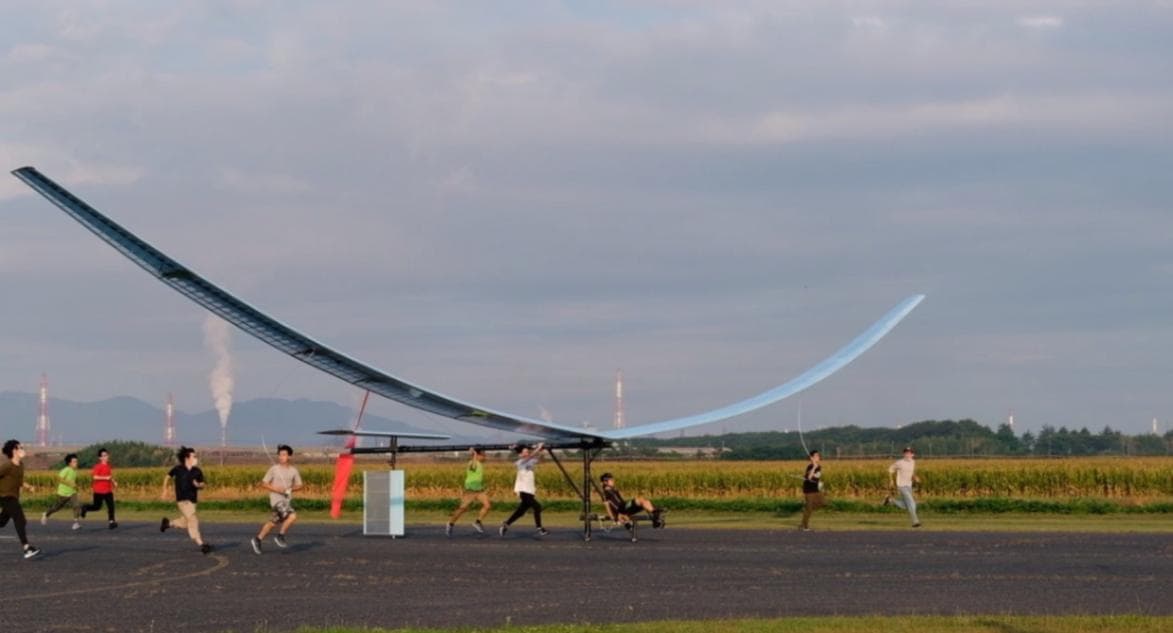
136,579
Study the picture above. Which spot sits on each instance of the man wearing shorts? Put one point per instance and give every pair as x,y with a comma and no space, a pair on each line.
474,490
188,480
281,481
621,511
66,492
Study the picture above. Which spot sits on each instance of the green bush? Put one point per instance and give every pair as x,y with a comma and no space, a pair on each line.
124,454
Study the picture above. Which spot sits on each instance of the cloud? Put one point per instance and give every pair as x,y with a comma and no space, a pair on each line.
1040,22
508,201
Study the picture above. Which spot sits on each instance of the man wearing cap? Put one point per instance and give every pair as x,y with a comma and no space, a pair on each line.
903,473
621,510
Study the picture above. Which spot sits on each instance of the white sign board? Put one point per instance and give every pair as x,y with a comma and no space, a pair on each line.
382,508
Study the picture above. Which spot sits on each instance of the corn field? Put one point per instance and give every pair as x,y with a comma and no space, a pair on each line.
1139,479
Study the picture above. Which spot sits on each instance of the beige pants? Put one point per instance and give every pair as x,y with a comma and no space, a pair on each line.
189,521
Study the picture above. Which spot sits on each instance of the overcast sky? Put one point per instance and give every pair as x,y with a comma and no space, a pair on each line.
507,202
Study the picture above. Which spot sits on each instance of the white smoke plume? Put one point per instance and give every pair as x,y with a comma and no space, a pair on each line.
218,338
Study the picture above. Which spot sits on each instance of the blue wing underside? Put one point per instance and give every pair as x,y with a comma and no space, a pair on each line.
322,357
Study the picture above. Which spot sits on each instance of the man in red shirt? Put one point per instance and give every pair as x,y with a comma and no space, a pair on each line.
104,485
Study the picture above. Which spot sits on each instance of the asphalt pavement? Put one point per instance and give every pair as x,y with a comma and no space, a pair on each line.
136,579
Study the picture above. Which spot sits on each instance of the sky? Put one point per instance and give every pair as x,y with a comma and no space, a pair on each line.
508,202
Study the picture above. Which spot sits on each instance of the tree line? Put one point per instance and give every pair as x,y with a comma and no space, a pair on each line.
929,438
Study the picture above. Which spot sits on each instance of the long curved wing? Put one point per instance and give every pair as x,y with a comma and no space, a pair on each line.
319,356
828,366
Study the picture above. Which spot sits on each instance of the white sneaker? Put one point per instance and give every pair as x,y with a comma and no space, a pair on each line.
478,527
44,518
76,525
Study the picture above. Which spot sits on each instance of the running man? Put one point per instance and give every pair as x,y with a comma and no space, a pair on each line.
526,488
281,481
11,483
104,485
66,492
188,480
812,489
903,473
621,511
474,490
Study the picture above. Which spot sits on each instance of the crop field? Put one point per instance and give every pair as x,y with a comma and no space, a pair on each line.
1114,480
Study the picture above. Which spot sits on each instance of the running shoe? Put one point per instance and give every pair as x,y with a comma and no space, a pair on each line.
256,543
76,525
448,530
543,531
887,501
205,548
44,518
916,525
476,525
164,524
502,530
280,541
31,551
658,519
113,524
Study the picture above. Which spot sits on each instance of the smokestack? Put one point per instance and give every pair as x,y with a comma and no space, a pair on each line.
43,413
619,421
217,337
169,429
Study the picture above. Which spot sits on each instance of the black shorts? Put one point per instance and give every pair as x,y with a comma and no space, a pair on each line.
631,509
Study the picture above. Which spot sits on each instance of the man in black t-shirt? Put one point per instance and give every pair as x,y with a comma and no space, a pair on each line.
622,511
812,489
188,480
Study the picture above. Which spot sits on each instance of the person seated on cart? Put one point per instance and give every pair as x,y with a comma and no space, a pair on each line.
622,511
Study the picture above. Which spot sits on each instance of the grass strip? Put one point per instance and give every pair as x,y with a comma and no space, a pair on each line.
867,624
781,508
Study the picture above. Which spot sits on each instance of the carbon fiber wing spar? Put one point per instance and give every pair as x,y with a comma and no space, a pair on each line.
309,351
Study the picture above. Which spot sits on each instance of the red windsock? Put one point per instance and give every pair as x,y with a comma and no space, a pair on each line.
343,466
341,477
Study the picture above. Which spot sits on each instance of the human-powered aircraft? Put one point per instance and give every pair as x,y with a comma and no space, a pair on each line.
309,351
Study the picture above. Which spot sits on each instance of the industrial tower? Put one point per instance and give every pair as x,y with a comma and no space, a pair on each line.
169,430
43,414
619,422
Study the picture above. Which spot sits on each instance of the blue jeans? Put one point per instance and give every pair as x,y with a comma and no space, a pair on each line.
906,502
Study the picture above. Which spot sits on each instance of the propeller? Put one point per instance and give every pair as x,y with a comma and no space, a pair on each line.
345,463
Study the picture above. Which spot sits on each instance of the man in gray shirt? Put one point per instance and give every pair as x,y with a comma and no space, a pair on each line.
903,473
281,481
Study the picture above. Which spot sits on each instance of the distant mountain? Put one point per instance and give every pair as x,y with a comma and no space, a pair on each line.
293,422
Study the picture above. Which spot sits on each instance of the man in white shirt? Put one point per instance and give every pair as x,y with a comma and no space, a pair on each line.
903,473
282,480
526,488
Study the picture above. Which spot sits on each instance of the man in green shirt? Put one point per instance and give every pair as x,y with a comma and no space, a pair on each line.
66,492
474,490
